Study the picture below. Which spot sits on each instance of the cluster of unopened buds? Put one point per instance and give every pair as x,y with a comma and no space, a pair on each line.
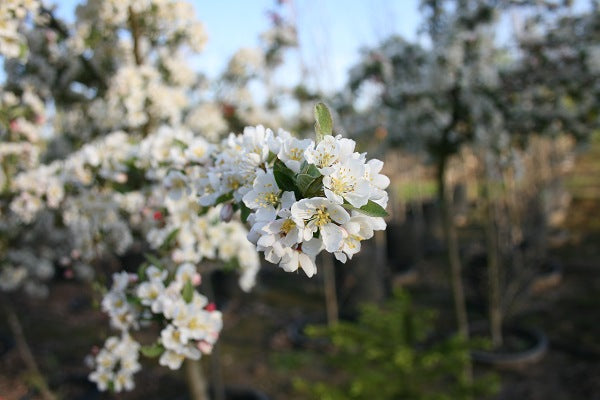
190,325
299,196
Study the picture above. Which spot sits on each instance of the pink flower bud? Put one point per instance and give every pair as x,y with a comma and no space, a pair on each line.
210,307
196,279
205,347
133,278
69,274
158,216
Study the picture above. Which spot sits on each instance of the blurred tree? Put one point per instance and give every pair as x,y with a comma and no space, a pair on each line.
461,87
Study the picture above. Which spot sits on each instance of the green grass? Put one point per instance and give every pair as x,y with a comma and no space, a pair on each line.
418,190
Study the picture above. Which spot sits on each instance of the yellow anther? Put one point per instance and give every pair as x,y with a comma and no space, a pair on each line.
287,226
322,217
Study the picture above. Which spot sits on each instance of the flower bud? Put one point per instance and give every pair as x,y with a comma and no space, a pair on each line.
196,280
205,347
226,212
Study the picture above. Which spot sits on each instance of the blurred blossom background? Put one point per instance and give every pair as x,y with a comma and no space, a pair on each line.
485,114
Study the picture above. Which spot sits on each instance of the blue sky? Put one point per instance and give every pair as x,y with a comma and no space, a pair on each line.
335,28
331,32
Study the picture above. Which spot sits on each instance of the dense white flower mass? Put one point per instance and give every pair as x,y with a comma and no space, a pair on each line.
109,148
300,197
12,12
190,324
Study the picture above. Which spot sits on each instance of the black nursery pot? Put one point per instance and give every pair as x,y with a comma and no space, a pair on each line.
523,346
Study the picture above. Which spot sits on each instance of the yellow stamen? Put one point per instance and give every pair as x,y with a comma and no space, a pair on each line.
322,217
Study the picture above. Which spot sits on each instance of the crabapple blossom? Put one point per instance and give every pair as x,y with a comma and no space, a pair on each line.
298,196
116,364
191,325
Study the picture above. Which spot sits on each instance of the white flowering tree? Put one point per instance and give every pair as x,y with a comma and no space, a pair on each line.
132,162
464,89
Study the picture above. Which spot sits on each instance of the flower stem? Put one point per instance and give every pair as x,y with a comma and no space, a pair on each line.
331,304
196,381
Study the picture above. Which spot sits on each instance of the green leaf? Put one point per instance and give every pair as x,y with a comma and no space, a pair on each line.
244,212
203,211
141,272
153,260
310,169
310,181
152,350
169,239
310,186
223,198
179,143
372,209
188,291
304,181
285,177
324,123
316,188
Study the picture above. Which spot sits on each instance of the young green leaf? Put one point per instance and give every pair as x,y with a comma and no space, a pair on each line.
152,350
311,170
316,188
141,272
170,239
188,291
372,209
244,212
153,260
223,198
285,177
323,121
310,186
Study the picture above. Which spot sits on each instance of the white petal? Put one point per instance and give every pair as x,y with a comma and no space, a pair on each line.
332,237
313,246
334,197
307,264
340,256
338,213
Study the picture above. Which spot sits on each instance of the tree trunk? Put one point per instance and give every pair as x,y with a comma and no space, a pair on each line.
196,381
495,305
451,237
25,351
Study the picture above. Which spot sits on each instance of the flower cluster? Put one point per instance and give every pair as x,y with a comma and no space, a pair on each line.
111,192
299,196
12,13
116,363
190,325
